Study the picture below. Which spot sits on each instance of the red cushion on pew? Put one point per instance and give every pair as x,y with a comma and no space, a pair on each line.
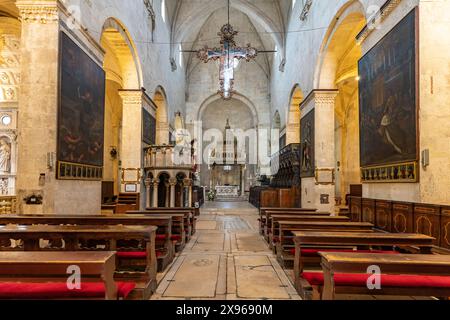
315,252
132,254
56,290
163,237
136,254
387,280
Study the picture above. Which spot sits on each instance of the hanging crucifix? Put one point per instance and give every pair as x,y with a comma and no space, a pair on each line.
227,54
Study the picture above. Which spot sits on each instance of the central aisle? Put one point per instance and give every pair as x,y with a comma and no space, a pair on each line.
226,259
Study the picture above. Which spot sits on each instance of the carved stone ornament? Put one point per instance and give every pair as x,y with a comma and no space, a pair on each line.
38,11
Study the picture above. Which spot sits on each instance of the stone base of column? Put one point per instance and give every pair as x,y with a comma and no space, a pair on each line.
320,197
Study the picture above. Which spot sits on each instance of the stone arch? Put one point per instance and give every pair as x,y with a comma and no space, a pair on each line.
348,21
338,69
164,172
162,116
117,37
236,96
123,71
293,115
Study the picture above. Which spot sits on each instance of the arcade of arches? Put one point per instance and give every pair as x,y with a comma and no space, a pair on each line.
111,108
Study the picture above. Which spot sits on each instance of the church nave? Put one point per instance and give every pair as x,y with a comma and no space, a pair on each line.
226,259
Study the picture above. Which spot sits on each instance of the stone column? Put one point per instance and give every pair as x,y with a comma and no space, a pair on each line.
188,184
38,116
182,194
242,181
173,183
131,154
316,191
148,184
155,193
167,202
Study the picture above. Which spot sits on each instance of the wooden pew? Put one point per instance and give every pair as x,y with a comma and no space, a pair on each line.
273,232
191,218
285,242
339,241
325,216
180,231
426,275
262,214
75,236
165,248
43,275
264,221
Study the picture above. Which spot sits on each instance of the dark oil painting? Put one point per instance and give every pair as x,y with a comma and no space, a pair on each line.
148,128
307,131
81,106
388,103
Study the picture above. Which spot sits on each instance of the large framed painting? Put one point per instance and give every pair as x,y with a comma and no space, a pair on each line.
307,131
81,114
388,95
148,127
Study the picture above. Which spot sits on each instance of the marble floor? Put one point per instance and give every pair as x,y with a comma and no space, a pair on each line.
226,259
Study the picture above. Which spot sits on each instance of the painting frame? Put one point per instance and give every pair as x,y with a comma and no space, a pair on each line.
148,127
411,19
307,142
85,163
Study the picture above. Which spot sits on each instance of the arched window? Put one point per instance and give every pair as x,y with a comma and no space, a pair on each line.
180,58
163,10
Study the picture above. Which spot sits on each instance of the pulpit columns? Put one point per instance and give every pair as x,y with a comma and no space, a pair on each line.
155,193
173,183
188,185
148,185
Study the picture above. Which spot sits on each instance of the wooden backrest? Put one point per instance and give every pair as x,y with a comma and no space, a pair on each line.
164,223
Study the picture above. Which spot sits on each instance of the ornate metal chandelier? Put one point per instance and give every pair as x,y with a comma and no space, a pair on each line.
227,53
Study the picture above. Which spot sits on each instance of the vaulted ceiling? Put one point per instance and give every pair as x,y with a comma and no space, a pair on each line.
195,23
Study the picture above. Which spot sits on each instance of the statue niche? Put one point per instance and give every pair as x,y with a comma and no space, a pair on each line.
5,156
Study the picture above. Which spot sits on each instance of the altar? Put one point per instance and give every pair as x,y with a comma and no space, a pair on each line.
227,191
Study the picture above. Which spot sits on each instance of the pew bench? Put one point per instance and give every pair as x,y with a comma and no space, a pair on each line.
78,238
309,245
180,229
272,227
165,242
401,274
284,241
263,214
298,217
44,275
190,212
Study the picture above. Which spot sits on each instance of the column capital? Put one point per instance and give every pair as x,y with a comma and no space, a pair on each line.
136,96
173,181
187,182
39,11
320,96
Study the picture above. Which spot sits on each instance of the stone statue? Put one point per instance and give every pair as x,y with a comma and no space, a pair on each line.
5,156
